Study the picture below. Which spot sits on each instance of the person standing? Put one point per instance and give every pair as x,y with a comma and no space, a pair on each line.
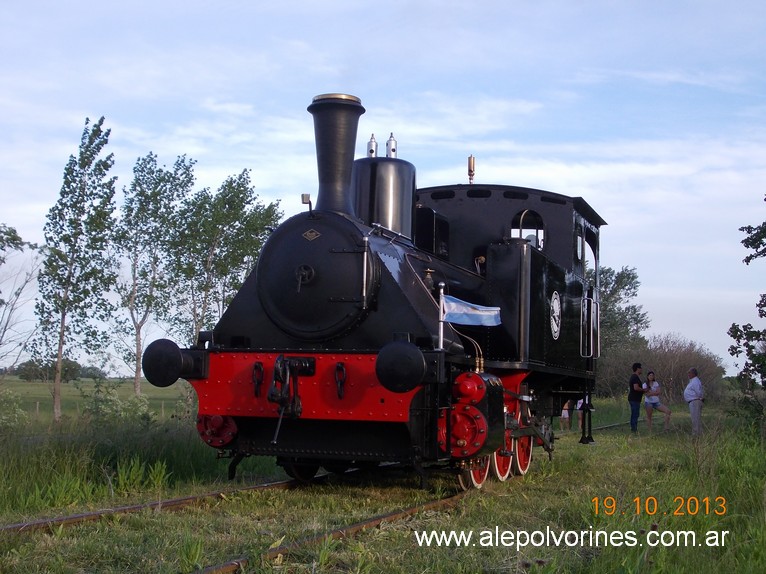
635,393
695,396
565,420
652,401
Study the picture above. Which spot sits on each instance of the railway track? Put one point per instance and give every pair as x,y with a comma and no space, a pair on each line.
239,564
170,504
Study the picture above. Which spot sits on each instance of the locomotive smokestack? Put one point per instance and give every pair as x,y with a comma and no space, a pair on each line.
336,118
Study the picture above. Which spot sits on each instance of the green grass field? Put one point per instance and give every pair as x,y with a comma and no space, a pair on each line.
36,399
706,497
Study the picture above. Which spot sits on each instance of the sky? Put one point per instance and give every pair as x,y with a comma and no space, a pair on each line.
653,111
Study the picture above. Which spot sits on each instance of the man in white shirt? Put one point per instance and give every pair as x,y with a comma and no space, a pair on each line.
694,395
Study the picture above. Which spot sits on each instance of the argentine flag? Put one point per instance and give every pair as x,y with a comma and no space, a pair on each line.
464,313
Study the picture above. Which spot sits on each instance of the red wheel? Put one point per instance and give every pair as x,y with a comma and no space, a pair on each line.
501,463
522,452
474,477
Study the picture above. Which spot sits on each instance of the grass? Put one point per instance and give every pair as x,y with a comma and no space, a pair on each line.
218,530
649,483
36,398
638,483
629,475
107,451
66,476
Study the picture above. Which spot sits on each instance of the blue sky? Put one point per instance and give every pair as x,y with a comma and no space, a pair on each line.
653,111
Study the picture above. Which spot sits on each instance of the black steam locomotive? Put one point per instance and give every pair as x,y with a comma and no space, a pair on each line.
441,327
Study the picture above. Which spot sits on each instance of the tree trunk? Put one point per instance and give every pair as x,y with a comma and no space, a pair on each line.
137,370
59,367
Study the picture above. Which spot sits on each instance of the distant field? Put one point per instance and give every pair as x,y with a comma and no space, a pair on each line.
37,398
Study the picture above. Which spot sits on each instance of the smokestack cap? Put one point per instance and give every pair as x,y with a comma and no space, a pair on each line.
321,97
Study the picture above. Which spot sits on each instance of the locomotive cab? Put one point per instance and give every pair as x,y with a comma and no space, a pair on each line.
535,249
457,222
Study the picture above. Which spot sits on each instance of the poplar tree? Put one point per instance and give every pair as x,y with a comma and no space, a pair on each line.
79,268
15,283
622,321
149,214
214,249
10,240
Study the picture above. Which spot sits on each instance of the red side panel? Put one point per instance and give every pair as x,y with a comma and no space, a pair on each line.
230,388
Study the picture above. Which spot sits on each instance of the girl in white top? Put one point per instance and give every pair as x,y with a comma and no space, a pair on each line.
564,420
652,401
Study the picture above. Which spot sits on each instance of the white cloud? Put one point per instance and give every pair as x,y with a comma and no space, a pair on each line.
652,112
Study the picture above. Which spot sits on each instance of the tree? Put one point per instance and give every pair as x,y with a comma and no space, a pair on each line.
670,355
148,217
33,370
79,268
91,372
9,241
749,340
622,325
30,370
622,322
214,250
14,294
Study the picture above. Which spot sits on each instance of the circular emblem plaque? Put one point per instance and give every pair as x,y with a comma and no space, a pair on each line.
555,315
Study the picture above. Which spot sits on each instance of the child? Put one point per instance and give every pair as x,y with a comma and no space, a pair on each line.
564,420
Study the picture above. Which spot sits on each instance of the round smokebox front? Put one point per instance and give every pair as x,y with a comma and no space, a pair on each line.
311,276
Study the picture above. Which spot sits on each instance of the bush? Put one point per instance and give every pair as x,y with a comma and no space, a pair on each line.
104,408
748,408
12,415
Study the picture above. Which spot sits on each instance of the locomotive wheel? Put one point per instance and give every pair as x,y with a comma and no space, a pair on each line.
303,472
522,453
501,464
475,477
